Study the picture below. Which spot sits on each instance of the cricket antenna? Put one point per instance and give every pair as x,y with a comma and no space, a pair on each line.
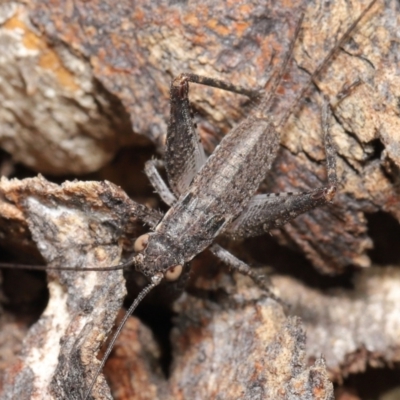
155,280
125,265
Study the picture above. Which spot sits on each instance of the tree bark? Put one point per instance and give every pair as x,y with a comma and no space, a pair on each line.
83,81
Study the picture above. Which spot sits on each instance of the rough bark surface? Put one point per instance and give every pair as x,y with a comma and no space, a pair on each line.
80,81
74,225
353,328
79,224
243,347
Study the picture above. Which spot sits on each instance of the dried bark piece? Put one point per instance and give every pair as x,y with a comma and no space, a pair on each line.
351,328
133,369
55,117
14,230
242,347
128,53
76,225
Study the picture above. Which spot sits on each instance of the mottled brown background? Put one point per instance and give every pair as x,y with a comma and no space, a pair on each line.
84,94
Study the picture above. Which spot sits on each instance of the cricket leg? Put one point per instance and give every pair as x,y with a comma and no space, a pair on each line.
151,170
184,154
261,280
180,81
267,211
321,67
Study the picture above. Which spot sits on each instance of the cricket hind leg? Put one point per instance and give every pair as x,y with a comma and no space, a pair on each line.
184,155
267,211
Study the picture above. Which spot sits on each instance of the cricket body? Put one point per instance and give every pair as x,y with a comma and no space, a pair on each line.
214,196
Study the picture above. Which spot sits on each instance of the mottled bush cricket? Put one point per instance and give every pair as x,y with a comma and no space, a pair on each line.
214,196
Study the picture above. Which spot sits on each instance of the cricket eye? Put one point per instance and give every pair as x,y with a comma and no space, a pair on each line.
173,273
141,243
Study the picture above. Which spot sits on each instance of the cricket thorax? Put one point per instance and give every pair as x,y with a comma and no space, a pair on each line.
157,253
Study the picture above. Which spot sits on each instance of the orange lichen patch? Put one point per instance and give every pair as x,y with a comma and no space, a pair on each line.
240,28
98,66
212,23
259,368
267,52
319,392
116,40
14,23
32,41
289,4
222,30
191,20
90,31
173,20
216,26
246,9
201,39
298,386
48,58
138,15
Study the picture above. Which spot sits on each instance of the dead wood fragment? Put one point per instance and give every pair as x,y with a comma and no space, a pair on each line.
75,225
78,224
55,117
243,347
133,370
353,328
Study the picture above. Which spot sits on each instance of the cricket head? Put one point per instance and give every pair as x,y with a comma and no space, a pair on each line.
157,254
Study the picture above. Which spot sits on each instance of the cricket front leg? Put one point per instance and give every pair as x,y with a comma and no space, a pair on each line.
158,183
184,155
267,211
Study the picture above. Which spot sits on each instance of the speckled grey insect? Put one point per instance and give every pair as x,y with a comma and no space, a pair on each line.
214,196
